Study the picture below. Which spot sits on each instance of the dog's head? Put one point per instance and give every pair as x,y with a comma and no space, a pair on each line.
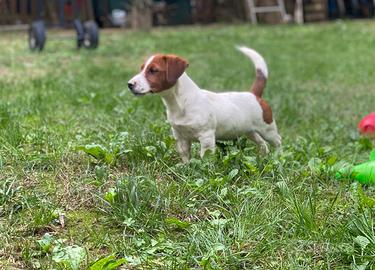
160,72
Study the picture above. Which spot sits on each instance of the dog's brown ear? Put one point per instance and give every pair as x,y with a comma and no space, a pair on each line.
175,67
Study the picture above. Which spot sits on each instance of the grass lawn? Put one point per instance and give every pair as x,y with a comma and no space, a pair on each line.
232,210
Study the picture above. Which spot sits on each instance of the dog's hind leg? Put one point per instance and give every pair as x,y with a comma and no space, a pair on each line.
255,137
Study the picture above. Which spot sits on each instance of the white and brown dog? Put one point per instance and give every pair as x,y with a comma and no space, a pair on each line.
204,116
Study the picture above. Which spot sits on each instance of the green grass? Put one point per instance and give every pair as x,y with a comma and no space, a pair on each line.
233,210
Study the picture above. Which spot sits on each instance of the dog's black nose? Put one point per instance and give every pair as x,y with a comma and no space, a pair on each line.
131,86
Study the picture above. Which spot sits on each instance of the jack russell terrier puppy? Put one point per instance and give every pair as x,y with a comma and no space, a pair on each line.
200,115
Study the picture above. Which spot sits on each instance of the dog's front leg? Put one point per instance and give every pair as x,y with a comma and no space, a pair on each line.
207,141
183,145
183,148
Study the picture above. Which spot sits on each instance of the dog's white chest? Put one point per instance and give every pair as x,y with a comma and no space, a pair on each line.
190,125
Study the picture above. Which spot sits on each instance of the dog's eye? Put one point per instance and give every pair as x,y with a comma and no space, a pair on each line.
153,70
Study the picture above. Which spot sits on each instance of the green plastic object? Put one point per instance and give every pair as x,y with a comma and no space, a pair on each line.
363,173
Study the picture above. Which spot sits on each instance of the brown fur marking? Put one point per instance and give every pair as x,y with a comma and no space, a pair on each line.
259,84
267,112
164,70
257,89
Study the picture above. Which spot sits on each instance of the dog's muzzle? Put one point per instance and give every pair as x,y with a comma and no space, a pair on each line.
131,86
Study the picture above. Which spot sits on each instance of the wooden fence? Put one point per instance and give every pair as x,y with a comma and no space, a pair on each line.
13,12
16,11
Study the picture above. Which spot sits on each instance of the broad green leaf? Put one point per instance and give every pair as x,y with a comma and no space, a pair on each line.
232,174
107,263
283,188
215,213
154,242
360,267
100,153
133,261
71,256
218,247
46,242
224,192
332,160
206,263
110,195
315,165
362,241
109,158
199,182
248,191
178,223
114,264
100,264
219,222
150,150
251,167
97,151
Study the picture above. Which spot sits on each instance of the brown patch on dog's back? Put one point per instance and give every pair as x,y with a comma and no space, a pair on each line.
267,112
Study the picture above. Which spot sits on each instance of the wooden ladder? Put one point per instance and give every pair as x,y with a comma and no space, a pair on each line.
279,7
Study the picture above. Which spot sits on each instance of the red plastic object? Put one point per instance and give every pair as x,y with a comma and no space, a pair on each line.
367,125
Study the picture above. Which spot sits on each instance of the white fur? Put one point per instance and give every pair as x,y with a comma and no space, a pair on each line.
257,59
204,116
141,85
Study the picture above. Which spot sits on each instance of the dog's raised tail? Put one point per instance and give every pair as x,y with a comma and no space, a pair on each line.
261,70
